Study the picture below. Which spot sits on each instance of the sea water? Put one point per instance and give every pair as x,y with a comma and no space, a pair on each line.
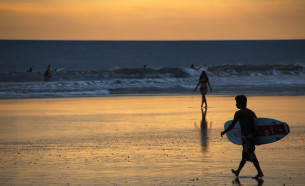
95,68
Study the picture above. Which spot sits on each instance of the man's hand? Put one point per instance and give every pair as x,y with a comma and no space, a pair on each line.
222,133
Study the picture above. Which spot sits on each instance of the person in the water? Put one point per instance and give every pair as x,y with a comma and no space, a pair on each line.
47,74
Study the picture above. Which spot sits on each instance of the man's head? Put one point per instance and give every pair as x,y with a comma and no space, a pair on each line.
241,101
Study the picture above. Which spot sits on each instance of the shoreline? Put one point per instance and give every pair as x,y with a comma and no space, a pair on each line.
155,95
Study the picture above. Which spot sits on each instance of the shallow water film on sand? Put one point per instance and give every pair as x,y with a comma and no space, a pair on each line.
142,140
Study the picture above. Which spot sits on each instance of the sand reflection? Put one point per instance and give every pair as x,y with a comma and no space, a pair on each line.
140,140
236,182
204,130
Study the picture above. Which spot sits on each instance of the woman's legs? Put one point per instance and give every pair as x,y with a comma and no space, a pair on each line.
204,100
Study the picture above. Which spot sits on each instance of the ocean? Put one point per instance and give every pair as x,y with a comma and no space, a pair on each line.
100,68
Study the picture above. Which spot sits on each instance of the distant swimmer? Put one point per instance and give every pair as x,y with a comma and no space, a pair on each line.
30,69
47,74
195,68
203,81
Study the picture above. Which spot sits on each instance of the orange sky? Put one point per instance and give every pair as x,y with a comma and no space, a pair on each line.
152,19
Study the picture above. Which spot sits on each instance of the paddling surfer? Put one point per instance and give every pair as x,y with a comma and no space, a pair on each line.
47,74
195,68
245,117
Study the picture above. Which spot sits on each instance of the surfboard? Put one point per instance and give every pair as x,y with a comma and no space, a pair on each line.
267,131
60,69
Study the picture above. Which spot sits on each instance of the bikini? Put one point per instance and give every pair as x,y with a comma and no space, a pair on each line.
203,88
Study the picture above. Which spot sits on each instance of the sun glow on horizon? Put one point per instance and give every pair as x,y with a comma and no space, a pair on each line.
152,20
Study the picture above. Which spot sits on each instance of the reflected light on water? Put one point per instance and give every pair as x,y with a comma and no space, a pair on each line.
136,140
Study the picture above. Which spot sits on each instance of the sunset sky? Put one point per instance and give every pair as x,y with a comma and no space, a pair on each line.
152,19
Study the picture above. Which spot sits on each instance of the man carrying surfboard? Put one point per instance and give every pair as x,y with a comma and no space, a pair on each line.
245,117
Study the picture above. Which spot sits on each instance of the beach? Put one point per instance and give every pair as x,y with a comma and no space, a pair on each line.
142,140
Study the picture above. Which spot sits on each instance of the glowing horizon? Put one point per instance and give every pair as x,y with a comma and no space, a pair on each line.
152,20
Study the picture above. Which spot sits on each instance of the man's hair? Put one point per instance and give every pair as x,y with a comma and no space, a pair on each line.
241,100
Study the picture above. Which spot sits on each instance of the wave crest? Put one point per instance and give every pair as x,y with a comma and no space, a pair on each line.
152,80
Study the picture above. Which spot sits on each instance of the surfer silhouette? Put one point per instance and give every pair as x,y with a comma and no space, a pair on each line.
47,74
30,69
203,81
245,117
195,68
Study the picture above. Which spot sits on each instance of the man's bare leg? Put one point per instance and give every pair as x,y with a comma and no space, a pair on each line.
258,168
241,165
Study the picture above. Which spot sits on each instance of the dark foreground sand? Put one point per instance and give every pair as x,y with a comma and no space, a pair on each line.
151,140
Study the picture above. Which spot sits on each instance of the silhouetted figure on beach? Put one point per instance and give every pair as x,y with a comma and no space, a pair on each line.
245,117
203,81
47,74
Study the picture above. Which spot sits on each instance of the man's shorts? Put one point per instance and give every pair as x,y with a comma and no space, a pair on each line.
248,153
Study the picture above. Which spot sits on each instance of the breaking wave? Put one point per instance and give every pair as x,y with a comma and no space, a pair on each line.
152,80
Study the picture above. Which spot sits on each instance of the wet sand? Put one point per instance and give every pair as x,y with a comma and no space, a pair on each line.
146,140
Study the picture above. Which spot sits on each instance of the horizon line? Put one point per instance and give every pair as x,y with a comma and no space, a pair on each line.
132,40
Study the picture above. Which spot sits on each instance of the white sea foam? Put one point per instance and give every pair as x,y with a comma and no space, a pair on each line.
152,80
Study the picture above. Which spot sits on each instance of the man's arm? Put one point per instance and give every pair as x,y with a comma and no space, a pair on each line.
231,126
